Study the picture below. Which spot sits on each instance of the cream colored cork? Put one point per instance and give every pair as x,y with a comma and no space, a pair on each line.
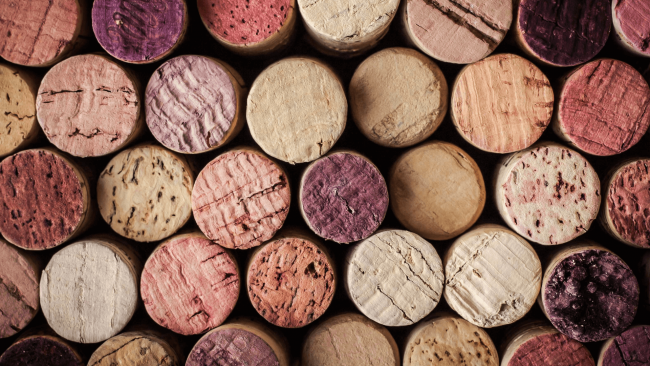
408,111
492,275
144,193
436,190
501,104
18,125
296,109
142,348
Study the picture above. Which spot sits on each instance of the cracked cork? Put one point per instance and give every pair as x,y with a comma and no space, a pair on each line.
18,125
631,26
89,105
40,350
142,348
630,348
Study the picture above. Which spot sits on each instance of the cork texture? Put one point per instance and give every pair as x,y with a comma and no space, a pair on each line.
643,268
395,277
19,301
410,110
501,104
135,348
18,125
40,350
630,20
630,348
548,348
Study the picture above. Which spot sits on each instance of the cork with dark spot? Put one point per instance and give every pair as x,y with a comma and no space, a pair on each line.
41,350
630,348
631,26
241,198
142,348
501,104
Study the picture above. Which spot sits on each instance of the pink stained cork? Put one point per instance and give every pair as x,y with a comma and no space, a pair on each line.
603,107
19,295
189,284
240,199
631,20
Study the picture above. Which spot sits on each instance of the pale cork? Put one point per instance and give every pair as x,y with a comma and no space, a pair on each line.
142,348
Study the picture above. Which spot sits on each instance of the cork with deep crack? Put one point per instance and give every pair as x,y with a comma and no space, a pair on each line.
19,301
135,348
18,125
630,348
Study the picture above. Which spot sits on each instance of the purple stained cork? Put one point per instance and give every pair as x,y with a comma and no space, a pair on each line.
40,351
631,348
234,347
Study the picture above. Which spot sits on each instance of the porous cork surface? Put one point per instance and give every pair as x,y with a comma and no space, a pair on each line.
18,125
551,349
40,350
135,348
232,346
630,348
19,301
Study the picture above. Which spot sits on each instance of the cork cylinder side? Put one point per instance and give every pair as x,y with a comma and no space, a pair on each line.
630,26
630,348
142,348
41,349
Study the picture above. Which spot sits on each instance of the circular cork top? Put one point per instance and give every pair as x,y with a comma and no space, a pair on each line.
343,197
240,199
436,190
144,193
19,301
88,105
566,37
460,32
630,348
139,31
189,284
604,107
492,275
17,109
545,346
296,110
135,348
40,350
394,277
410,110
44,199
38,32
630,20
501,104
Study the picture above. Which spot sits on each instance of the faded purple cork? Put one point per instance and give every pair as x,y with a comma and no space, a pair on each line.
40,351
344,198
631,348
232,347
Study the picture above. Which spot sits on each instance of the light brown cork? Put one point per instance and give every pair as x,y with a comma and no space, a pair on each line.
142,348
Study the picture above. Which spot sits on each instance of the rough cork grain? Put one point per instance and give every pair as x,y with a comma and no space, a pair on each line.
643,267
394,277
501,104
40,350
631,24
135,348
18,125
19,278
631,348
410,110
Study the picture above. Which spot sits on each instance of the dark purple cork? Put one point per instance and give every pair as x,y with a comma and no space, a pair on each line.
40,351
232,347
631,348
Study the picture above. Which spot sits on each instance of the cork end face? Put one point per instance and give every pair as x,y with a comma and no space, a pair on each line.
551,349
232,346
631,25
40,350
134,348
629,348
19,298
628,204
18,119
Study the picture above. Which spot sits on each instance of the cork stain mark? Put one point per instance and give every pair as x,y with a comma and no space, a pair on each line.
462,22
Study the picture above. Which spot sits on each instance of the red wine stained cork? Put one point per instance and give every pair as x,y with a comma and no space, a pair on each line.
394,277
291,280
436,190
603,107
456,32
144,193
189,284
18,125
142,348
548,194
492,276
588,292
349,340
630,25
41,350
643,276
250,28
89,289
410,110
448,340
630,348
139,31
195,104
241,198
563,33
296,109
501,104
45,199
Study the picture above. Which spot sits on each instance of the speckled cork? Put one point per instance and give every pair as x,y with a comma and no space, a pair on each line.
394,277
459,32
349,340
296,109
436,190
144,193
189,284
448,340
410,110
492,276
40,350
18,125
549,194
631,26
139,31
588,293
564,32
501,104
142,348
630,348
241,199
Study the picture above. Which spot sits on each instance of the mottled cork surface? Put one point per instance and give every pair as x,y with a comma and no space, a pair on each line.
232,346
19,301
40,350
551,349
135,348
630,348
631,20
18,124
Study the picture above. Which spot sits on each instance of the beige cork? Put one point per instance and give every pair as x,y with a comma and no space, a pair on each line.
142,348
408,111
501,104
492,275
436,190
296,109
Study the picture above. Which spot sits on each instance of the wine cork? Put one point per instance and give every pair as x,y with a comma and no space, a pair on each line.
588,292
630,25
291,280
343,197
394,277
410,110
41,350
144,193
45,199
565,33
142,348
140,31
89,105
241,199
296,110
548,194
630,348
18,125
501,104
436,190
492,276
449,340
349,340
195,104
459,32
189,284
643,276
